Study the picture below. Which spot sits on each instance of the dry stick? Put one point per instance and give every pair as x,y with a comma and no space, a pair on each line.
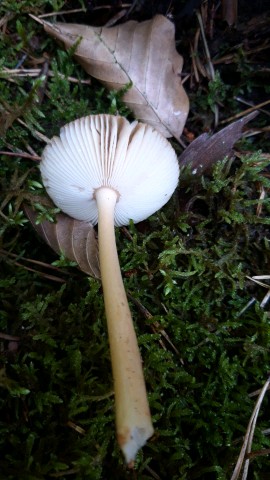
34,132
31,260
255,394
44,275
246,448
11,338
261,198
245,112
198,62
247,306
258,453
156,326
256,131
6,18
64,473
257,278
75,427
36,262
133,418
209,61
265,299
207,53
241,100
195,70
64,12
35,158
152,472
35,72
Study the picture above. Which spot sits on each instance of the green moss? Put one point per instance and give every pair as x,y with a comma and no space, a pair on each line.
186,268
194,284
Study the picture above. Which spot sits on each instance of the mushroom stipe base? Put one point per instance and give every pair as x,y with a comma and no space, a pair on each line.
133,419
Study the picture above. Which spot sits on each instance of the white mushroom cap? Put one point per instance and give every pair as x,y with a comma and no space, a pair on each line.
105,150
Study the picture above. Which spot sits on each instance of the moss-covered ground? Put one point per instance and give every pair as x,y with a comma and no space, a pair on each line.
202,322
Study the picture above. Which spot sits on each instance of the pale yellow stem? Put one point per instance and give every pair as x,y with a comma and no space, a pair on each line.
133,418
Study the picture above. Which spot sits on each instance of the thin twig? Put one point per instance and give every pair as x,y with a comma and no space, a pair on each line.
198,62
257,278
76,427
156,326
9,74
11,338
153,473
233,57
241,100
64,12
6,18
258,453
243,460
35,132
247,306
261,198
44,275
206,49
35,262
71,471
35,158
195,69
265,299
245,112
209,62
256,393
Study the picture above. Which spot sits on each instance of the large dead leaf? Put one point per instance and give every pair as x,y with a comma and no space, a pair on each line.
206,150
142,53
75,239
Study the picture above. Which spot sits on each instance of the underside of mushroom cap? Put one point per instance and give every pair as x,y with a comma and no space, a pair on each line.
108,151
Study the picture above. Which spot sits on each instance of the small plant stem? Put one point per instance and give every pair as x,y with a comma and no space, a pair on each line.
133,419
209,62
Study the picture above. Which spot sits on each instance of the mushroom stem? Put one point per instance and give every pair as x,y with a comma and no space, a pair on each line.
133,418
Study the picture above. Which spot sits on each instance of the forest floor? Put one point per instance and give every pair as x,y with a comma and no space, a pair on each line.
197,272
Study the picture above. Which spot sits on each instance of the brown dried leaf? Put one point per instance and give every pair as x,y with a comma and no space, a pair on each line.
75,239
142,53
206,150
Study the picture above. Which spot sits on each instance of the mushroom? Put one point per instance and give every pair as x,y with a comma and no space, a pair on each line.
105,169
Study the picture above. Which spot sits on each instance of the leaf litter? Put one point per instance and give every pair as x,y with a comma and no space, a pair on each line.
141,54
207,158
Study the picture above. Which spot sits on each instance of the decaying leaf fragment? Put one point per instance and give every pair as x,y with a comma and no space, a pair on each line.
206,150
75,239
142,53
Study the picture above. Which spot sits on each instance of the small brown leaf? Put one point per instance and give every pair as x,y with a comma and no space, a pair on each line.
142,53
206,150
75,239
